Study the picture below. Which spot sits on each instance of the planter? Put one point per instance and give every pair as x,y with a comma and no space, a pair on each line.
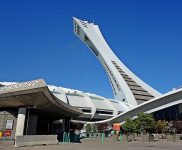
147,138
124,137
180,137
171,138
129,138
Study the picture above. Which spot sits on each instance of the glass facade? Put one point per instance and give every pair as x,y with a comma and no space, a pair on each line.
169,114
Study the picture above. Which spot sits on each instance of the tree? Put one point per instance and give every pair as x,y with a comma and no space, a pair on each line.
146,122
129,127
94,128
137,126
88,128
178,126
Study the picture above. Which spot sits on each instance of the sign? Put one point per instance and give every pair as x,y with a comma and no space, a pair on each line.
7,133
9,124
116,126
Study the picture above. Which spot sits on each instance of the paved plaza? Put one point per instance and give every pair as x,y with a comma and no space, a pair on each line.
90,144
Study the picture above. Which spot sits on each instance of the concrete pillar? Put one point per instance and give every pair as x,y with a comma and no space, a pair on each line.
66,125
20,121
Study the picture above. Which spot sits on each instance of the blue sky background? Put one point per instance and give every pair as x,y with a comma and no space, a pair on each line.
37,41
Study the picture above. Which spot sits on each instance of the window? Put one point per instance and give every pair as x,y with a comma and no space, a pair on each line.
92,47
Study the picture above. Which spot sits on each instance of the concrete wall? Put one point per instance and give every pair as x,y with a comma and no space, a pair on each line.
31,140
8,115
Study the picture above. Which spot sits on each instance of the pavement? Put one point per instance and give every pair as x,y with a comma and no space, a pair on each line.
96,144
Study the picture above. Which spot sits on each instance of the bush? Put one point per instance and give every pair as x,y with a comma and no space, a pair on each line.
161,126
102,127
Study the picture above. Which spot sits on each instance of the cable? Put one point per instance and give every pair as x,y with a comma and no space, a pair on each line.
45,62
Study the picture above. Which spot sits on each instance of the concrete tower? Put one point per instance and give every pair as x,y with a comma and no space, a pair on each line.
127,87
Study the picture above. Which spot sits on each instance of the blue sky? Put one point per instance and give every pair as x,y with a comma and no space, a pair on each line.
37,41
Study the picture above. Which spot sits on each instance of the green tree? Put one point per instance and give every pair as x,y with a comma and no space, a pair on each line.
88,128
146,122
129,126
94,128
137,126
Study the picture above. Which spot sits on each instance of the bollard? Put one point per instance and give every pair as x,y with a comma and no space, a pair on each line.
75,138
120,137
103,135
68,138
64,137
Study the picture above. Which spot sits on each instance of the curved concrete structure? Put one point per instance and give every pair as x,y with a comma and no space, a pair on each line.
94,107
165,101
127,87
58,102
36,95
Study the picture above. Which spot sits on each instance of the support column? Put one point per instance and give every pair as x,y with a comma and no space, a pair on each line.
20,121
66,125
